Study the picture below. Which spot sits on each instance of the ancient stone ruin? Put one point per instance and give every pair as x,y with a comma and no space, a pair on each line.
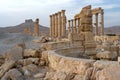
36,28
76,54
58,25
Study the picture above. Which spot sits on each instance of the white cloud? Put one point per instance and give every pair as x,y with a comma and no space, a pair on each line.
108,6
19,10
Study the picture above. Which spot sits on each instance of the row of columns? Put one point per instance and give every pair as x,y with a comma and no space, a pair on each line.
74,26
58,24
101,23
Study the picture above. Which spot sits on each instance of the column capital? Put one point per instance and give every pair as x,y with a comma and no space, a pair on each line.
56,14
68,20
50,15
37,20
96,14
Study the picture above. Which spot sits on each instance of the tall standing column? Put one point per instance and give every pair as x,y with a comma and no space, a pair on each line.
72,26
63,23
50,25
75,29
78,25
69,29
102,22
59,25
96,28
56,24
36,27
53,21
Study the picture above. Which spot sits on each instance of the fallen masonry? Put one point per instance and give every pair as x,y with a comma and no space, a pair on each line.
79,54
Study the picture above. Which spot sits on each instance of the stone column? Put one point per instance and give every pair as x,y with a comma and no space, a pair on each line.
36,27
72,26
74,29
78,25
96,24
53,25
63,23
69,29
56,24
50,25
102,22
59,25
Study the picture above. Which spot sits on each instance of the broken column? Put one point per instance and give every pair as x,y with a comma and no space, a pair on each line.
36,27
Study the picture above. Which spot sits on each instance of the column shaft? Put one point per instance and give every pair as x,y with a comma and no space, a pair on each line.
96,28
102,23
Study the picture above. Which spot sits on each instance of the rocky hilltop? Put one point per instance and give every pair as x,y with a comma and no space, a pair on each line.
20,27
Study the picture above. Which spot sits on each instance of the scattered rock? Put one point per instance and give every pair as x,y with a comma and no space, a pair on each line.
39,75
32,68
107,55
32,53
15,54
109,73
6,66
13,74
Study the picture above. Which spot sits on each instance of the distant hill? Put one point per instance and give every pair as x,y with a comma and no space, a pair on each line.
45,30
20,28
113,30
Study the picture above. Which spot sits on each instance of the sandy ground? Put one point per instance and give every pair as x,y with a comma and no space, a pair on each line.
8,40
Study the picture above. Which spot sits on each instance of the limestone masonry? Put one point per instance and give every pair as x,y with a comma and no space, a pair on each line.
78,51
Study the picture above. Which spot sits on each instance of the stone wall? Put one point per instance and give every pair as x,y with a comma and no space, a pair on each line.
89,69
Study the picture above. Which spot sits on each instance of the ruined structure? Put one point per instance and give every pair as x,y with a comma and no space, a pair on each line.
96,12
76,57
27,31
36,27
58,24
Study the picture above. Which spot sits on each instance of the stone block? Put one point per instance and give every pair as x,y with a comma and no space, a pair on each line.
15,54
31,53
13,74
6,66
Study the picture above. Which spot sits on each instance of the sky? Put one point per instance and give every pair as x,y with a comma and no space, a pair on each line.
14,12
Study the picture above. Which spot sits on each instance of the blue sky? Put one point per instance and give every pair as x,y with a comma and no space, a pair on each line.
13,12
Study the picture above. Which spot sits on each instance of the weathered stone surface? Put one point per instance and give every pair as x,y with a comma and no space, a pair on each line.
75,52
6,66
42,39
31,53
103,64
29,61
70,65
109,73
15,54
78,77
13,74
55,45
75,37
2,60
39,75
107,55
31,68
